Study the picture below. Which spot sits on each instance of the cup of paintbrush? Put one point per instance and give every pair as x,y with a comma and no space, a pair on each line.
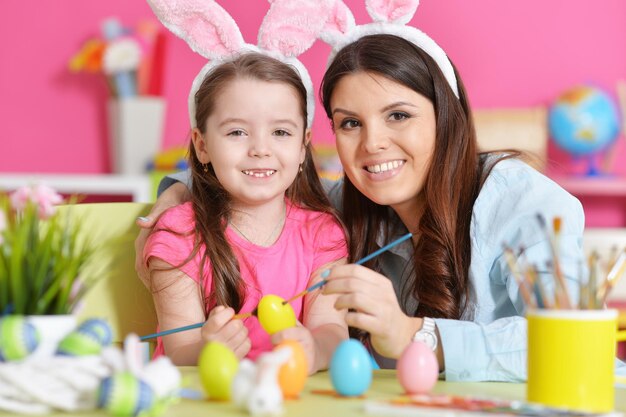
570,358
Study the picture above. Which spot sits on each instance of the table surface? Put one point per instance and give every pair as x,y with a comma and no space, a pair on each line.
384,386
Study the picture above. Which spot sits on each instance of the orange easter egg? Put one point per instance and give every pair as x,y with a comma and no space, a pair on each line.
275,316
293,374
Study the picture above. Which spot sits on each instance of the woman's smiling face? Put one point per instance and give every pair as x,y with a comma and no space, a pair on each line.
385,137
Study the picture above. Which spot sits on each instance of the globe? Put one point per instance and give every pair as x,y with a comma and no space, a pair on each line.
583,121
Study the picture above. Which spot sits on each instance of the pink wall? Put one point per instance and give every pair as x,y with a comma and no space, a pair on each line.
509,53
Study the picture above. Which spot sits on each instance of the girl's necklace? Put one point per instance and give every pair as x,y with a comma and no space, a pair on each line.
271,235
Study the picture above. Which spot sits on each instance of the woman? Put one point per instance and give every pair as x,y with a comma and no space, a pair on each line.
407,143
408,148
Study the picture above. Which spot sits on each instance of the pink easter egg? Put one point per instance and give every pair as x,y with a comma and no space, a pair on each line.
417,368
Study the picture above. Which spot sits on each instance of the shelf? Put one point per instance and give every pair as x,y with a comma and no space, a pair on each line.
589,186
137,186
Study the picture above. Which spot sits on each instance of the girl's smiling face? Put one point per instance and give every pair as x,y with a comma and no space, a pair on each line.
254,140
385,138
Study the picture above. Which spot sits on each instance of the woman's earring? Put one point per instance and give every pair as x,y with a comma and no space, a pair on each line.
300,169
205,168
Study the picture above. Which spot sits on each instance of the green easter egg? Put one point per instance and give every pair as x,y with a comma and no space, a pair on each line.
275,316
98,329
18,338
217,366
125,395
79,344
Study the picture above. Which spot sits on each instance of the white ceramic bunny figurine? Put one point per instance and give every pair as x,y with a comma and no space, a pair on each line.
255,387
243,382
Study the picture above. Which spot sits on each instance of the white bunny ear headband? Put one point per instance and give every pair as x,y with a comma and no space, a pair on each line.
289,29
390,17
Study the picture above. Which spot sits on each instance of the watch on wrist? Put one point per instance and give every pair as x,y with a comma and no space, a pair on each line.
427,334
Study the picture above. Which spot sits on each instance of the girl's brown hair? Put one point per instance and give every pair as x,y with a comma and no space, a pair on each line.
442,254
211,202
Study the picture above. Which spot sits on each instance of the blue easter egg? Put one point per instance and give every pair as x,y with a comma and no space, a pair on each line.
351,368
125,395
18,338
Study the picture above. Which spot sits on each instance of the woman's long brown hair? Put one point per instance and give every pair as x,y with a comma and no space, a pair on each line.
212,203
443,252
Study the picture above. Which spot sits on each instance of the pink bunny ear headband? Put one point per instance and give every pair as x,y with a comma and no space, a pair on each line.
390,17
289,29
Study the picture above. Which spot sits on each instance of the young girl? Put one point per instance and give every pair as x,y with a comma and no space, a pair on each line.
258,221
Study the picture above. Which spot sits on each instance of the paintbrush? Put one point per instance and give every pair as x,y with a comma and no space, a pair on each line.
537,287
359,262
616,272
509,256
327,272
535,284
311,288
176,330
583,289
561,295
591,285
192,326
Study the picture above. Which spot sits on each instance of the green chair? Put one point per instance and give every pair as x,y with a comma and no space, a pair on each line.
118,295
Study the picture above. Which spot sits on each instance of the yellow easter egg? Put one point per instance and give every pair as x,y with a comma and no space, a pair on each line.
275,316
217,365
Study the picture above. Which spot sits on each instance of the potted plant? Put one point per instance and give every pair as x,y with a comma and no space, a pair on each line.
42,255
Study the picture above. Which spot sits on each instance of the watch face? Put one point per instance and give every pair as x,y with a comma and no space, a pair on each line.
427,338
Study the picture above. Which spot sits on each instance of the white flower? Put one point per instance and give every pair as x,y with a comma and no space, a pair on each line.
121,55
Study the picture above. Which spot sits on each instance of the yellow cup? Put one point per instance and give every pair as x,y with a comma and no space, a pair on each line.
571,358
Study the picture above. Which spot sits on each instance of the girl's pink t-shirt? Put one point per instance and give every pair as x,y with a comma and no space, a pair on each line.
308,241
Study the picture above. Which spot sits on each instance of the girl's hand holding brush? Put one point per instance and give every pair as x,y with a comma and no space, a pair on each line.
221,327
